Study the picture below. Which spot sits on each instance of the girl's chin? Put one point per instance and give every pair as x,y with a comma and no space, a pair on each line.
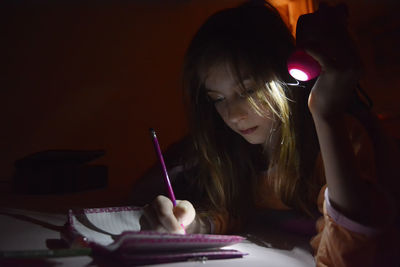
253,141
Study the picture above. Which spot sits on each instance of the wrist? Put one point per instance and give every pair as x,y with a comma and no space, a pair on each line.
200,225
329,103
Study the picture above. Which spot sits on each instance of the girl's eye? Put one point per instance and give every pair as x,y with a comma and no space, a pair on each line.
250,91
216,99
247,92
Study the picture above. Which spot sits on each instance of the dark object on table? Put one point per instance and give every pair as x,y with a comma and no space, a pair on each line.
59,171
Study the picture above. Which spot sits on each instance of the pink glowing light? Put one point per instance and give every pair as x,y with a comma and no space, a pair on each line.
302,66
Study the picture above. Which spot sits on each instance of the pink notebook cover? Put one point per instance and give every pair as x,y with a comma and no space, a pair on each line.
115,232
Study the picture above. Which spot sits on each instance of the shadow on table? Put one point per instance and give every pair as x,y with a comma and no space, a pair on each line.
281,230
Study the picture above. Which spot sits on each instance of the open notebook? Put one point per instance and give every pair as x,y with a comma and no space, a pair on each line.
115,232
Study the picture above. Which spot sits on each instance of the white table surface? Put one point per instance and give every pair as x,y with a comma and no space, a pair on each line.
27,230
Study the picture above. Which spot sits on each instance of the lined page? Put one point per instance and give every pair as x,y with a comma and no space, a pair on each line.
101,225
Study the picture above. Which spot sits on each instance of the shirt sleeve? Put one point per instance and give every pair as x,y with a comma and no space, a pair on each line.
346,222
341,241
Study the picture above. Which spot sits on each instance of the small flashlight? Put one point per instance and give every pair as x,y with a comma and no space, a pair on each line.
302,66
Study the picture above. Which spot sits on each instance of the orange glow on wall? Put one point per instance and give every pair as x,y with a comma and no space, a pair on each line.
291,10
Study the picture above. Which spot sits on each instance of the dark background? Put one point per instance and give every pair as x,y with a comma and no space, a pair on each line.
89,75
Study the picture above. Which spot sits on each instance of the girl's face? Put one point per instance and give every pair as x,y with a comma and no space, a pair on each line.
231,102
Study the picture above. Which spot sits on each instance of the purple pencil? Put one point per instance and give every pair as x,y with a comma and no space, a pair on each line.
164,168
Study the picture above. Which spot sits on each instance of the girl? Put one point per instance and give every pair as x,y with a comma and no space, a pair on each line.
258,142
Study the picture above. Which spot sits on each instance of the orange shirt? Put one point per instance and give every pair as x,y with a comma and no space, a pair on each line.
336,244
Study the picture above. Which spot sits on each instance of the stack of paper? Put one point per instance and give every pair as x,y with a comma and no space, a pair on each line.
115,232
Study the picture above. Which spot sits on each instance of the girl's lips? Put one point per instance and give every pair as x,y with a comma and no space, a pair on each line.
248,131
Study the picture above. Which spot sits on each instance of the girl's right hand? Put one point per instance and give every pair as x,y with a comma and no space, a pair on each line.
325,36
162,216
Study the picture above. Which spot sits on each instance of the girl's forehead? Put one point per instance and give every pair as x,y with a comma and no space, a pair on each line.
223,77
225,73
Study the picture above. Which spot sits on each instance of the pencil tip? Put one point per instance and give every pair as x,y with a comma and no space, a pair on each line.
152,132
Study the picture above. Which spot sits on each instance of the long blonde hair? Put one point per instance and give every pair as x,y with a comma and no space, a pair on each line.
253,41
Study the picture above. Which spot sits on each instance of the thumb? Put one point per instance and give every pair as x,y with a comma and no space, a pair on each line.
184,212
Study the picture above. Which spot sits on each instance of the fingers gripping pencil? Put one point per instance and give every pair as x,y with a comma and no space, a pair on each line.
164,169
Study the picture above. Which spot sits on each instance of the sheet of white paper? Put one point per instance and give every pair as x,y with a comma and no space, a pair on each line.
101,225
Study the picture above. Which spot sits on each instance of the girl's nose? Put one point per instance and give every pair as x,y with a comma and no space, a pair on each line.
237,110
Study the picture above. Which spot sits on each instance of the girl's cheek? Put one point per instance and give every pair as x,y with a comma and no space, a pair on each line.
221,110
223,113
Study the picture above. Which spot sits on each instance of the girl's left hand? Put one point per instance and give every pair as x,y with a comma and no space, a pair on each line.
325,37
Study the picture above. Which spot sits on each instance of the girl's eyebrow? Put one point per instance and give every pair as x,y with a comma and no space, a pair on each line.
245,83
